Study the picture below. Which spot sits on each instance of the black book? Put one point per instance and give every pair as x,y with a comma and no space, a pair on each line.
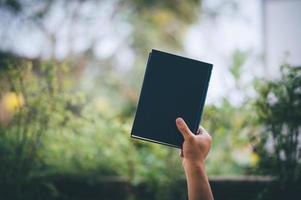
173,86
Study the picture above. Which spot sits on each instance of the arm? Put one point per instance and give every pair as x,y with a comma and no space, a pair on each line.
194,151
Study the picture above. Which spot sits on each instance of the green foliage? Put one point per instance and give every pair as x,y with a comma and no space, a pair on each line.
57,130
13,5
279,109
230,126
26,106
239,59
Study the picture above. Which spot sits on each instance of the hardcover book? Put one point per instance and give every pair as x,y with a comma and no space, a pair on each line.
173,86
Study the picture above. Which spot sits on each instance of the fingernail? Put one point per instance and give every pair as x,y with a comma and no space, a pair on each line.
179,121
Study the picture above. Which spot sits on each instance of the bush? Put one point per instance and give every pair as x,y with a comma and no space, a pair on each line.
50,128
47,128
279,110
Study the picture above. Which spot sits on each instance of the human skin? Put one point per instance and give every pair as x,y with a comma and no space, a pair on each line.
194,152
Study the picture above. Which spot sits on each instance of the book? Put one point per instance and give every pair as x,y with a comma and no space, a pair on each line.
173,86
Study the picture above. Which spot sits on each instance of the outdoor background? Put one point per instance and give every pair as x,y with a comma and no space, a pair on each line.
70,78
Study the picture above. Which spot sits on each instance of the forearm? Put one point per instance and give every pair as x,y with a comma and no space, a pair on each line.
197,182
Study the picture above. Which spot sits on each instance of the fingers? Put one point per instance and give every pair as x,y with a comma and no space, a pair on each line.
201,130
204,133
181,153
183,128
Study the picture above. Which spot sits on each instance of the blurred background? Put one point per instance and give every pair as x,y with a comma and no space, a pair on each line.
71,74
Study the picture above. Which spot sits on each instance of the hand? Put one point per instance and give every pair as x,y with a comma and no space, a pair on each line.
196,146
194,152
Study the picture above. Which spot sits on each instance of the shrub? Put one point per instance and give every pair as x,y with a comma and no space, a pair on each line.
279,110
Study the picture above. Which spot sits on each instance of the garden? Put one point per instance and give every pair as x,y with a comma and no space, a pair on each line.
66,115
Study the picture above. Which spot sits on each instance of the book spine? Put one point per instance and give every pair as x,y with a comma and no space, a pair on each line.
202,99
143,85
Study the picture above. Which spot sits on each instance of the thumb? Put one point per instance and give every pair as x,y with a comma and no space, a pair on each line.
183,128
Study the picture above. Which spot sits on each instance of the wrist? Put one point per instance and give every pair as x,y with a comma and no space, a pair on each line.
194,169
194,164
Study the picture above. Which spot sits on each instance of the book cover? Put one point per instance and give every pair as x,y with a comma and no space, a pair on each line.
173,86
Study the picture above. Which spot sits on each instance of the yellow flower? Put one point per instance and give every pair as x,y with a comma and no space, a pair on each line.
254,158
162,17
12,101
